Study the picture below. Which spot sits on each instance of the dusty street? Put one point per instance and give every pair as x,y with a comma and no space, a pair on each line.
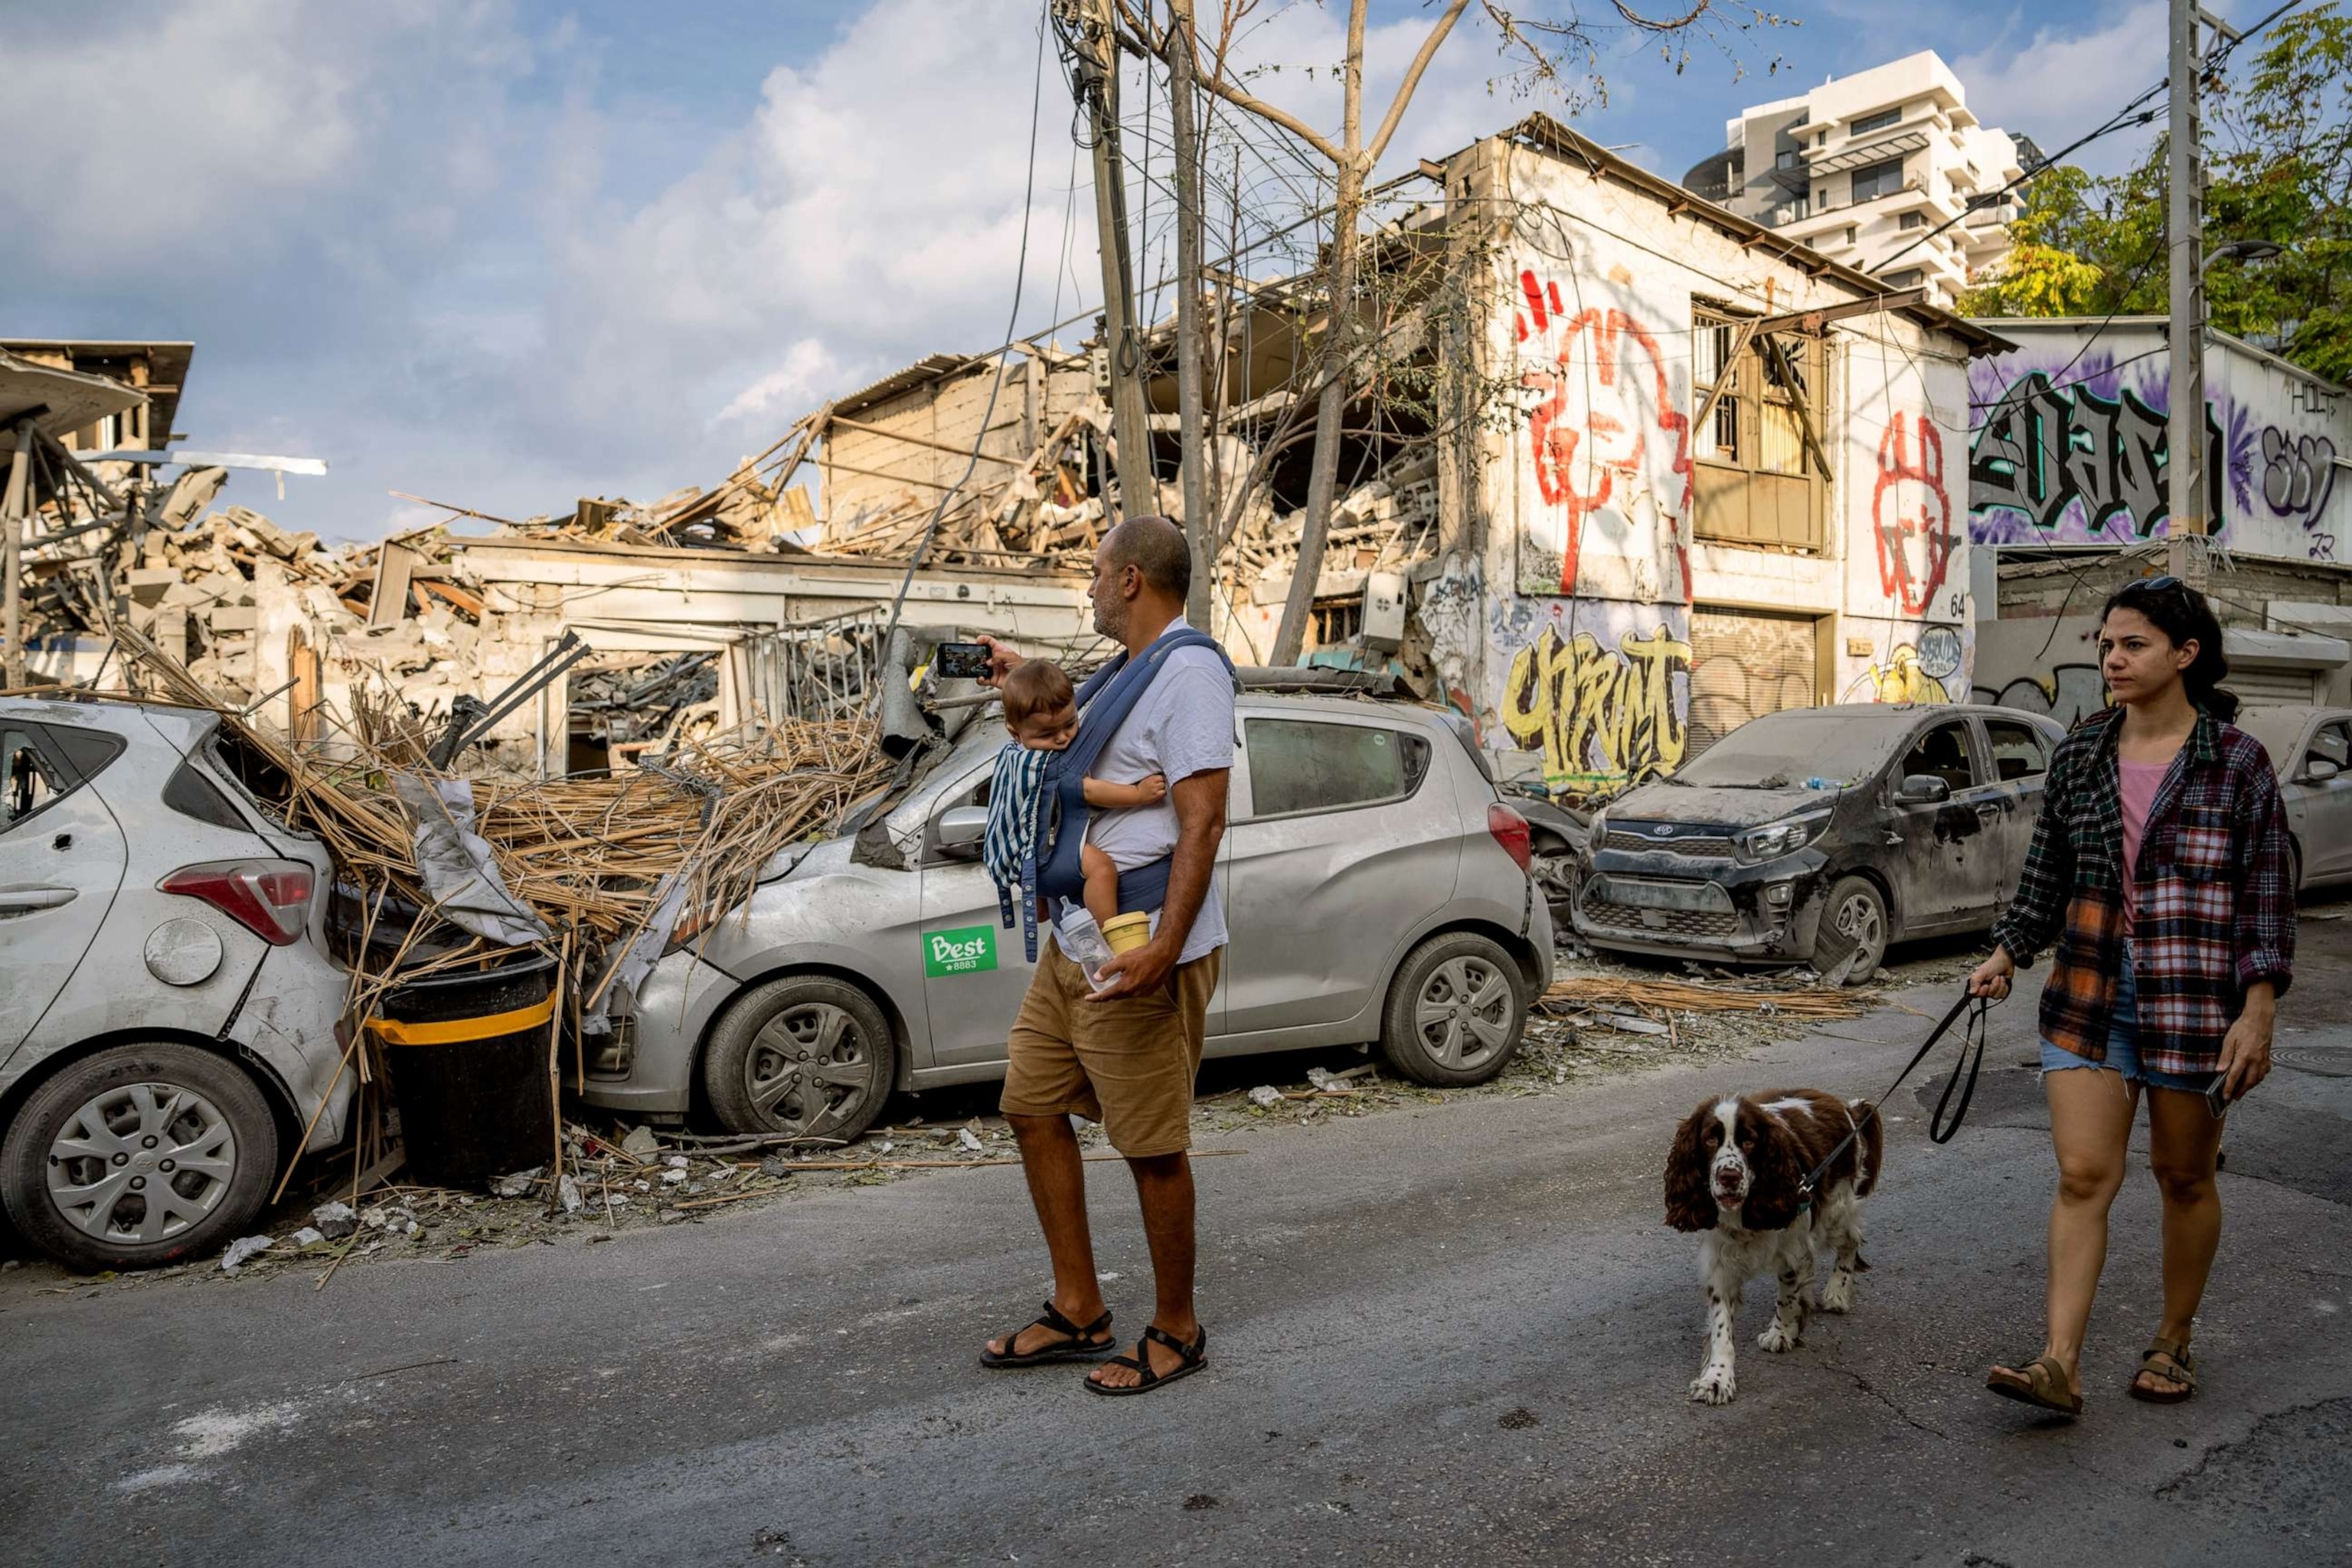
1444,1332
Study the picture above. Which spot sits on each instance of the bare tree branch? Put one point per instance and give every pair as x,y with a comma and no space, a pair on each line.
1412,78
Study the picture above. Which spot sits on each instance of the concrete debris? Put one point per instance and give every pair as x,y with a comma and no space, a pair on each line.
969,1138
568,1194
672,1178
1265,1096
335,1220
244,1251
308,1236
670,1216
674,1162
775,1166
516,1185
640,1140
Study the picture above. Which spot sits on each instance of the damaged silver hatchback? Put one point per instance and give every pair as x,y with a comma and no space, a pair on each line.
169,1014
1377,890
1821,836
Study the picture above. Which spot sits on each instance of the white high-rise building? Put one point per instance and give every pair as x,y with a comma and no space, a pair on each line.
1864,167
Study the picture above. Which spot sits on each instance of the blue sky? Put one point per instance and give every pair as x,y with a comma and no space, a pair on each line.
504,252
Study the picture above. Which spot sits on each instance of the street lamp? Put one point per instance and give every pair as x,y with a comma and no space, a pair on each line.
2243,250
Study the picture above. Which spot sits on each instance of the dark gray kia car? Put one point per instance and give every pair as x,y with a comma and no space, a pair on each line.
1821,836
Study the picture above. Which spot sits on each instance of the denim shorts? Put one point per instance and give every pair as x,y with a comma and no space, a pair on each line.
2123,1045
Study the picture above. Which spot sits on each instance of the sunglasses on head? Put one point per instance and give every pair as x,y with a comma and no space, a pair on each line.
2150,585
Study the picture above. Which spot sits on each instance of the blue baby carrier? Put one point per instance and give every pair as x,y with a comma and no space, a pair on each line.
1052,869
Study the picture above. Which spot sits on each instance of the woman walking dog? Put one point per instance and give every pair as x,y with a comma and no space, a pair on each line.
2159,868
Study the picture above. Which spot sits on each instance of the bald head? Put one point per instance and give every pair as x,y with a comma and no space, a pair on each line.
1155,547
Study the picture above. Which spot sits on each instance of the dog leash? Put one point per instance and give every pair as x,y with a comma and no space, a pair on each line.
1972,1049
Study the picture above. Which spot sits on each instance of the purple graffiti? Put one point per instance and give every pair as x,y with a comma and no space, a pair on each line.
2076,463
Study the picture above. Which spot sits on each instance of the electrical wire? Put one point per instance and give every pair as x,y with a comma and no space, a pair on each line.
996,384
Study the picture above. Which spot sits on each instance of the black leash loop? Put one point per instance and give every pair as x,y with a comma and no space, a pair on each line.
1972,1046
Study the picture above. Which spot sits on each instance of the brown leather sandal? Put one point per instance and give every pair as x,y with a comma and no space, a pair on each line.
2178,1370
2041,1384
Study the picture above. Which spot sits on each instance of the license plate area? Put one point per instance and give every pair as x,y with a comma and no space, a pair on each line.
1648,893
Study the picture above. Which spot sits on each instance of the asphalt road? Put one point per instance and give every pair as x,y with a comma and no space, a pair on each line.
1446,1334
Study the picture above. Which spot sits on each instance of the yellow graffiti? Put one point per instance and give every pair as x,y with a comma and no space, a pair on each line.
1900,679
1567,698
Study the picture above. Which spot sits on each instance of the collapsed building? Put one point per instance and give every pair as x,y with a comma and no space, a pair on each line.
1619,469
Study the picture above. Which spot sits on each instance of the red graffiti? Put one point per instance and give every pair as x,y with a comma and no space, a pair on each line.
1593,422
1910,516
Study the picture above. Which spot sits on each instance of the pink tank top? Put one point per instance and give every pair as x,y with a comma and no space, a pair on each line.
2140,782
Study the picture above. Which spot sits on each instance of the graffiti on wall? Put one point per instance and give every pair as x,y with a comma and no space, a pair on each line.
1607,438
2298,475
2067,694
2075,464
1921,671
1910,514
1605,710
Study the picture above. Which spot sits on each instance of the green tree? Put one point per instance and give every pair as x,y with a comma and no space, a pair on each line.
2281,170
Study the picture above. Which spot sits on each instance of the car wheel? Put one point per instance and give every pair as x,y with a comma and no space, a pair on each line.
1456,1011
806,1057
1852,941
138,1156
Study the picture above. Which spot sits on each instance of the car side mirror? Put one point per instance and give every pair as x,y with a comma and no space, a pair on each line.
1923,789
2319,770
962,828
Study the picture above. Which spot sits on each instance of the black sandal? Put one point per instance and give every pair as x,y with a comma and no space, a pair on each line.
1189,1359
1080,1344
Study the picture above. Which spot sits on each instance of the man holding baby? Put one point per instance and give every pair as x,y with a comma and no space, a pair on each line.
1125,1054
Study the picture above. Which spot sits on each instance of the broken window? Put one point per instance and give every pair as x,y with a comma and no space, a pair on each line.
1942,753
1758,405
2017,751
28,780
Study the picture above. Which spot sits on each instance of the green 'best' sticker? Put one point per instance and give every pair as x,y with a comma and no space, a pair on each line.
970,950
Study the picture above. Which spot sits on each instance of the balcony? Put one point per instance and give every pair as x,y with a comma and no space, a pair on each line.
1894,141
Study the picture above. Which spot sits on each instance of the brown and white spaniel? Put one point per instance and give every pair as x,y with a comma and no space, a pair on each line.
1734,1174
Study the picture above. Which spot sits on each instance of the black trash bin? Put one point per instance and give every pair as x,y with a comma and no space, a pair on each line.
468,1054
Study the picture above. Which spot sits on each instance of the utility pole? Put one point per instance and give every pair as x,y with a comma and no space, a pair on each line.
2185,240
1088,28
1199,526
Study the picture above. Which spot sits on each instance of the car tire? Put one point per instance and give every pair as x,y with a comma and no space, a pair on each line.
1456,1009
1853,937
807,1056
173,1146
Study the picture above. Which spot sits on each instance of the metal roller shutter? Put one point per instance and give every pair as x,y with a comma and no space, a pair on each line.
1743,665
2274,684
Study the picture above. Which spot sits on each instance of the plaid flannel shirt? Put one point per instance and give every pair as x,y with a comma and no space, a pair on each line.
2215,897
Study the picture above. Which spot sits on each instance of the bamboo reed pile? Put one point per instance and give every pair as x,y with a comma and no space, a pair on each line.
1682,996
594,856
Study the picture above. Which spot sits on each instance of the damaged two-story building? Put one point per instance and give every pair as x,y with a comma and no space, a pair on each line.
1733,481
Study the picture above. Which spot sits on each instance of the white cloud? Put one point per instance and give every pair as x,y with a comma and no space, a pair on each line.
808,371
2060,82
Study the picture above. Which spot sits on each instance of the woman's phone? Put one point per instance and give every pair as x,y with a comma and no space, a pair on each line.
2216,1099
963,661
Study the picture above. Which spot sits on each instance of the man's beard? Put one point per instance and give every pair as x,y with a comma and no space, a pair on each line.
1110,619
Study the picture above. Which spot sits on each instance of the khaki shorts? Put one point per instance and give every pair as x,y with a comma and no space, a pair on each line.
1128,1064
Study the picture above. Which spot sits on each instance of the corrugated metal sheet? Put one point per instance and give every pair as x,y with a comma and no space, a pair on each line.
1745,665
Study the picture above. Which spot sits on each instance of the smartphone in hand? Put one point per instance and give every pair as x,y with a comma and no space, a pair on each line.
2216,1099
963,661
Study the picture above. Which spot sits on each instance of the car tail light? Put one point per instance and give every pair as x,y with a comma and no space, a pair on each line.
271,898
1511,830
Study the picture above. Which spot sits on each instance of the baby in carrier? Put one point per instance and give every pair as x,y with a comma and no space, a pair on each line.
1041,710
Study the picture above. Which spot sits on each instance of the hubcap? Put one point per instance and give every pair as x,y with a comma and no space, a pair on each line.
141,1164
1858,918
809,1070
1464,1015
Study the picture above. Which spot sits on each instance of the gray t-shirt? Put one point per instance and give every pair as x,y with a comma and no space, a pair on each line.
1181,725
